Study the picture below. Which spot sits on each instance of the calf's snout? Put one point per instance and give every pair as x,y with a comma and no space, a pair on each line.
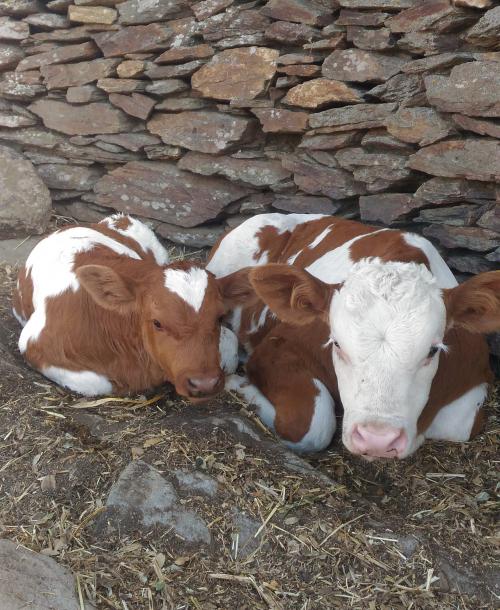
378,440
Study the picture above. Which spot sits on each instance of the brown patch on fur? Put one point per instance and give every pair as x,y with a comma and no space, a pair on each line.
22,297
388,246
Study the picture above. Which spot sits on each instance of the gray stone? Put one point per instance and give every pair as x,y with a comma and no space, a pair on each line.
245,541
141,499
73,75
11,29
10,56
357,65
486,32
472,238
195,237
195,482
458,215
25,203
167,86
446,191
47,21
438,16
33,580
420,126
361,116
428,43
379,170
20,8
59,55
133,39
436,63
470,263
380,39
15,85
134,12
15,251
402,88
69,177
304,204
387,207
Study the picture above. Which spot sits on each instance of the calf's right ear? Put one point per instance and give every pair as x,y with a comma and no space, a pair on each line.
293,294
236,289
106,287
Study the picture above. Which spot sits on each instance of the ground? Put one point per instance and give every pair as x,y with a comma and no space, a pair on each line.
417,534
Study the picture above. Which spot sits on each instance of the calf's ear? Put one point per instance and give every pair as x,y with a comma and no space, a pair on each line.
294,295
475,304
236,289
106,287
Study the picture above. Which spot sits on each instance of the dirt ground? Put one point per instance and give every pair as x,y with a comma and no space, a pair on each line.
417,534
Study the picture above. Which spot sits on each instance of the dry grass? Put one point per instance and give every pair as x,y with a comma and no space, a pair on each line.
321,544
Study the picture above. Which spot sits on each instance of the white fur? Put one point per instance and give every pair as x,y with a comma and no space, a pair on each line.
256,325
323,423
234,320
51,267
385,318
190,286
439,268
140,233
317,240
228,349
454,422
87,383
334,266
240,247
253,396
18,317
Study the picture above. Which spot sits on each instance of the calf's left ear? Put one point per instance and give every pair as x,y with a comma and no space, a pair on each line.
475,304
106,287
236,288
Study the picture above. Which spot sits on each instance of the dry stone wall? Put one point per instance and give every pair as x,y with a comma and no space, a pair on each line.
197,115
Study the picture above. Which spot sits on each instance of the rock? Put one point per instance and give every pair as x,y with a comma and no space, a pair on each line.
10,29
438,15
446,191
181,54
136,105
74,177
418,125
361,18
474,159
160,190
317,179
472,89
60,55
327,44
196,482
371,40
428,43
474,3
163,152
92,14
482,127
469,263
84,94
390,5
245,539
167,86
10,56
8,118
436,63
120,85
330,141
319,92
458,215
379,170
361,66
196,237
491,219
246,26
472,238
402,88
180,104
25,204
299,11
203,131
133,12
387,207
486,32
494,256
300,70
31,136
20,8
303,204
255,172
97,117
278,120
379,139
134,39
288,33
46,21
141,499
22,86
363,116
207,8
222,77
130,141
32,579
130,68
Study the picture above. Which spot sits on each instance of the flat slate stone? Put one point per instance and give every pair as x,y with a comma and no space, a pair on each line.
418,125
374,115
133,39
177,55
48,21
69,177
300,11
92,14
360,66
203,131
136,105
278,120
457,215
60,55
482,127
474,159
73,75
194,237
472,238
438,16
236,73
10,56
387,207
472,89
134,12
10,29
163,191
88,119
486,32
288,33
25,203
319,92
305,204
445,191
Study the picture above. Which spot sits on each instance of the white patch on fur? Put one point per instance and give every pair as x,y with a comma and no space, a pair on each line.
317,240
334,266
240,247
140,233
385,318
323,423
190,286
51,266
234,320
18,317
454,421
255,326
253,396
439,268
87,383
228,349
294,257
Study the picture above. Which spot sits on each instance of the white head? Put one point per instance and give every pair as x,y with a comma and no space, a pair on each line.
387,323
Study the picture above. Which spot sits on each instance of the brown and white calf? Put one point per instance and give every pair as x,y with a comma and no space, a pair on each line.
103,311
372,318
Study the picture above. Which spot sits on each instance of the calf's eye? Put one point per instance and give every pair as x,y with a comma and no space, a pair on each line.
433,351
157,324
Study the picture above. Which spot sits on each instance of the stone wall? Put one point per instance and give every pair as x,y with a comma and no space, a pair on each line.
199,114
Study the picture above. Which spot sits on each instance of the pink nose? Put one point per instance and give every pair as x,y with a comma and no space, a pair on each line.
204,385
378,440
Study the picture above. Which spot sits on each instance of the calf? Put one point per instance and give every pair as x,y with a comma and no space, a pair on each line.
103,311
372,318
